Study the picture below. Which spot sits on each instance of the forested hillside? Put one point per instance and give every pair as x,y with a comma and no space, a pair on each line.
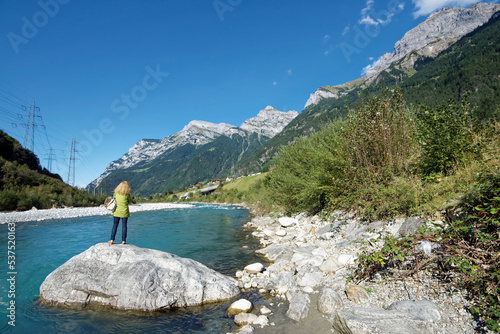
25,184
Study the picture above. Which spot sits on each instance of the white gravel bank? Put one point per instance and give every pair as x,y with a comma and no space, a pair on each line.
46,214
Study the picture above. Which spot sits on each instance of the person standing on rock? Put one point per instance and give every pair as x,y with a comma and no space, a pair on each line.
123,199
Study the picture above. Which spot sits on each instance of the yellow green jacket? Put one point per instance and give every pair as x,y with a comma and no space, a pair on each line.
122,202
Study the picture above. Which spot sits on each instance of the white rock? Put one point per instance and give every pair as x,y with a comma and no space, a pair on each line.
308,289
282,290
133,278
239,306
310,279
281,233
264,310
330,265
320,251
254,268
268,233
242,319
247,329
261,321
287,221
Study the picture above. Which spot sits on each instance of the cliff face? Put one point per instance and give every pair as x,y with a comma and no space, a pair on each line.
269,122
439,31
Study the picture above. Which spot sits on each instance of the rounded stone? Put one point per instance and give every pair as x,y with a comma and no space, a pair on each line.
254,268
240,306
287,221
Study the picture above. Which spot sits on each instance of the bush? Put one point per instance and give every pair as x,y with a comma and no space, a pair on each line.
378,138
304,175
351,163
447,137
8,199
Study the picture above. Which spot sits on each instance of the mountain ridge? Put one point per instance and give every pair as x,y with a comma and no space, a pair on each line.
267,123
439,31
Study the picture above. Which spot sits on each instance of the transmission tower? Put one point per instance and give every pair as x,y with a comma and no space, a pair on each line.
30,124
49,158
71,167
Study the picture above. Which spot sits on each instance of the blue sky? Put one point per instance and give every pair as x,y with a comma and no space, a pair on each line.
110,73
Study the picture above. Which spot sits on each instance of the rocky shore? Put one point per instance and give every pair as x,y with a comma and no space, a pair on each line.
63,213
303,280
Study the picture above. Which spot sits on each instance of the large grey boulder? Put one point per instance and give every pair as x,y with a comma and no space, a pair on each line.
409,317
129,277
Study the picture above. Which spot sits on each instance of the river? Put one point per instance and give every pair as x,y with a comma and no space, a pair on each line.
210,234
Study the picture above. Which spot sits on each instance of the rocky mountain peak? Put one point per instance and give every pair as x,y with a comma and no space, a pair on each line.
440,30
269,121
203,126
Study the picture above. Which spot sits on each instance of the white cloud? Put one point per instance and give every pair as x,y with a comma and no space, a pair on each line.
289,71
275,83
370,66
369,7
367,19
326,37
425,7
346,30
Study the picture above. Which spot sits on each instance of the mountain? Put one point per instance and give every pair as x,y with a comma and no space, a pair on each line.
439,31
453,52
199,152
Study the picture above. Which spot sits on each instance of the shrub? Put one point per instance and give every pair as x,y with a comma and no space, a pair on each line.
447,137
304,175
469,248
378,138
351,163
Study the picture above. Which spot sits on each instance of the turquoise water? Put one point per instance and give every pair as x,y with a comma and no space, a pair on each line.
212,235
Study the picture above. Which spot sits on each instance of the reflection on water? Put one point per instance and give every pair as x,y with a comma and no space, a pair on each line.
209,234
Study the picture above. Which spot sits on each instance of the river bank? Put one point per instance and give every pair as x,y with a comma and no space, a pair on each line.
62,213
303,278
305,283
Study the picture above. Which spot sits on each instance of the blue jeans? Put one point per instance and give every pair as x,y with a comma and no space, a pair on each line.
115,227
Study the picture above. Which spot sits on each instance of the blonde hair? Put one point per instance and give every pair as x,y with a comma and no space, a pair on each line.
123,188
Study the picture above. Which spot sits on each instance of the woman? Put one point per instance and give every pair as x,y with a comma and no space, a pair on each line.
123,199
